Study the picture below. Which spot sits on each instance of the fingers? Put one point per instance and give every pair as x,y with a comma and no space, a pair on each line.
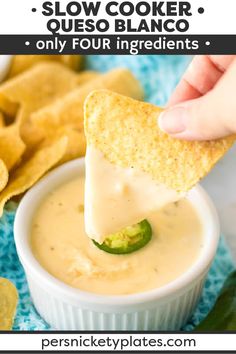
222,62
207,117
200,77
196,120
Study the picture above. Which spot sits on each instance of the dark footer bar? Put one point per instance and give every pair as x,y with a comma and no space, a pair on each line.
118,44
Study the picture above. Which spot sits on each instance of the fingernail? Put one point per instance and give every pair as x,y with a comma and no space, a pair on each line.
173,120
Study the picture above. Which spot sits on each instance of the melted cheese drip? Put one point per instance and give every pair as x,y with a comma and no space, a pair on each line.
116,197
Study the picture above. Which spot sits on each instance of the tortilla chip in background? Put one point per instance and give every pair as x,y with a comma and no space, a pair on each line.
76,145
84,76
31,170
8,304
12,146
74,62
126,132
21,63
2,120
70,109
34,89
31,133
3,175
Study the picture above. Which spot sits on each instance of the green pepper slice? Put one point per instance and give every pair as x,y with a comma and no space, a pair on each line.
223,315
128,240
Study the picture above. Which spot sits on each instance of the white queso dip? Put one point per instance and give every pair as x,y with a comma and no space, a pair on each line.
61,246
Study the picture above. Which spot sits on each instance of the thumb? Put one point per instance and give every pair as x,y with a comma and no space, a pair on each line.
209,117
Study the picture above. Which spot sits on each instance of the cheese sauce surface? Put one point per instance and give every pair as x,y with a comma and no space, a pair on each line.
61,246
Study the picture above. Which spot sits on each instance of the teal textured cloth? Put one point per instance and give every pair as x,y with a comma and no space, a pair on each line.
159,75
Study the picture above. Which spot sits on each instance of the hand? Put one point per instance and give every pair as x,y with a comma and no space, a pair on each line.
203,105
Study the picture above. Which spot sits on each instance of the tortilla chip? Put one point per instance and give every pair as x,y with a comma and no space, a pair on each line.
3,175
76,145
21,63
74,62
2,120
8,304
33,169
34,89
126,132
32,134
11,146
85,76
70,109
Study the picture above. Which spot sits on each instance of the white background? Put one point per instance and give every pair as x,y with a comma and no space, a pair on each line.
220,185
220,342
16,17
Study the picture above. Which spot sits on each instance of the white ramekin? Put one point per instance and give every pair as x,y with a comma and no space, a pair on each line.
67,308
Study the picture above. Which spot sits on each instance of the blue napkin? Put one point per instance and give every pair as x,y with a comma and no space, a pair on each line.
159,75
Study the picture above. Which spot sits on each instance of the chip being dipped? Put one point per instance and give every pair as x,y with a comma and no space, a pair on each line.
129,162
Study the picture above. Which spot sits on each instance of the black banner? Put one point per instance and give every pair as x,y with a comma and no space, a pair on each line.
118,44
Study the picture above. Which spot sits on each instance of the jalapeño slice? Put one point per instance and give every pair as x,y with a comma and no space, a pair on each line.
128,240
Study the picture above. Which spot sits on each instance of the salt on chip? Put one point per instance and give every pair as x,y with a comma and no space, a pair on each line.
127,133
8,304
3,175
69,110
11,145
21,63
28,173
